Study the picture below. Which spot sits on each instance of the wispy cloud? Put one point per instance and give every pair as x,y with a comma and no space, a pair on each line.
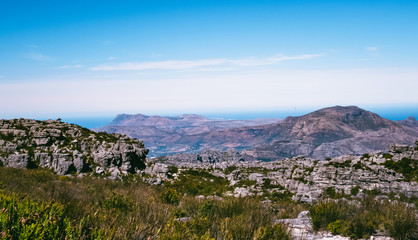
70,66
198,64
37,56
111,58
372,49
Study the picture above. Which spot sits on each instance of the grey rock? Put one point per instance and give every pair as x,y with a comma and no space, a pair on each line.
18,161
67,148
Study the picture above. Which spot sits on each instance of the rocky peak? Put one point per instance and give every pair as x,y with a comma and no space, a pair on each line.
409,122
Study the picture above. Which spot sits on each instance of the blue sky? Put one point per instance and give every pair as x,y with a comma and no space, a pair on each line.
99,58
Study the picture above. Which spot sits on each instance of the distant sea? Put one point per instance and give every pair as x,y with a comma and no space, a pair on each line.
392,113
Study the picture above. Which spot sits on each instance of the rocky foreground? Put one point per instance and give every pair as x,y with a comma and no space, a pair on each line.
68,148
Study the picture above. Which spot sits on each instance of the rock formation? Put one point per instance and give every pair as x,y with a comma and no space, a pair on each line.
68,148
308,180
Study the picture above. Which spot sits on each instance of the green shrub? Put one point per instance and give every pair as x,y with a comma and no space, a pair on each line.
326,212
406,166
170,196
359,227
360,220
268,232
346,163
336,227
207,209
116,201
22,218
355,190
401,222
193,182
173,169
330,192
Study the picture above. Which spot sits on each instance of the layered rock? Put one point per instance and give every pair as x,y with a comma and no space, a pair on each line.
67,148
309,179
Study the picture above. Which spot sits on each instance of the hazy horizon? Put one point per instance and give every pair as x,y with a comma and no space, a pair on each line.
391,113
86,59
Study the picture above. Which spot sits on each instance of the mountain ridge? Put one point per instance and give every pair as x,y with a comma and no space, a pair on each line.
327,132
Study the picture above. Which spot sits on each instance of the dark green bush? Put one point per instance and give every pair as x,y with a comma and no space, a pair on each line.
117,202
344,164
355,190
406,166
170,196
207,209
326,212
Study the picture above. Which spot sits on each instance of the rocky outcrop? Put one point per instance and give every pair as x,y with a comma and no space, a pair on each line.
207,156
308,180
68,148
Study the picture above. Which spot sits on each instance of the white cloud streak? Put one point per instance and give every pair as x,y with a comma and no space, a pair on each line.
199,64
70,66
372,49
37,57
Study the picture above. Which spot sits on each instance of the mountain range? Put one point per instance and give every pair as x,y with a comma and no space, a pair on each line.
328,132
165,135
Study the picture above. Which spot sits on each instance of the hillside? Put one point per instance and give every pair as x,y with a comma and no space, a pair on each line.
328,132
68,148
164,135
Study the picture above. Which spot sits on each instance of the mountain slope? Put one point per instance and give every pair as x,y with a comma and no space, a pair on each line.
409,122
327,132
167,135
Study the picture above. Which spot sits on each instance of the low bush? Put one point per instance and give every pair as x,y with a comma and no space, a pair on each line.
326,212
361,220
22,218
170,196
401,222
193,182
355,190
277,231
406,166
